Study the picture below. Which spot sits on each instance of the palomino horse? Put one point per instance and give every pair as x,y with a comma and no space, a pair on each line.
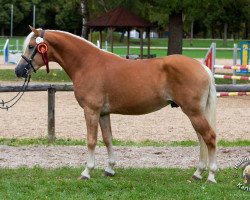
105,83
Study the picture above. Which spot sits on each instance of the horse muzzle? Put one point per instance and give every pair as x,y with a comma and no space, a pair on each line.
22,70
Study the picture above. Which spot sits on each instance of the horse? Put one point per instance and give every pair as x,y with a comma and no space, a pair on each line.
105,83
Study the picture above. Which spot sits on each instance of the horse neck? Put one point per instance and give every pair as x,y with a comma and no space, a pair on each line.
70,52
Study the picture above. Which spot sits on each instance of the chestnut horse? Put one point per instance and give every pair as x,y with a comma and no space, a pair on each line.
105,83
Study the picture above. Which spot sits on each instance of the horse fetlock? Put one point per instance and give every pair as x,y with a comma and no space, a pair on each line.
112,162
213,168
202,166
90,166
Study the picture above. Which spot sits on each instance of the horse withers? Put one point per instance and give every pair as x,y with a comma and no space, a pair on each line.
105,83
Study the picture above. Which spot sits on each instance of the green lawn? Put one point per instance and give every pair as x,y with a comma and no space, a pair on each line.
55,75
70,142
13,43
58,75
155,42
226,54
155,183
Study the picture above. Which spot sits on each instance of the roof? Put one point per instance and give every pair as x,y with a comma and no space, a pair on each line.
119,17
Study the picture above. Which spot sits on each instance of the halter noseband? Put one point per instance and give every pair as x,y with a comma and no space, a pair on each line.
42,48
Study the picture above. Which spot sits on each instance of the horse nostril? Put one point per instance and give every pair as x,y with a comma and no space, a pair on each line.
20,71
17,72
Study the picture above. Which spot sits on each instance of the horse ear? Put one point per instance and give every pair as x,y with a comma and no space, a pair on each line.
34,30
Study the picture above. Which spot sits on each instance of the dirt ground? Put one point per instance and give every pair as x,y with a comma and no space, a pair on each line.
75,156
28,119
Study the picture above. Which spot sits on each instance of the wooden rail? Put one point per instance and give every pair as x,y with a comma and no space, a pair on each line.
53,88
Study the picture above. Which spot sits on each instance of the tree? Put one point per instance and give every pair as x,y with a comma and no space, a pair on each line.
174,9
85,18
68,16
175,32
20,10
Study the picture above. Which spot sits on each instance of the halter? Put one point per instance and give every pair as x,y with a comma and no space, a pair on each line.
42,48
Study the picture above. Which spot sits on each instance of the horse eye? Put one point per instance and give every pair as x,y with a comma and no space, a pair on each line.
31,46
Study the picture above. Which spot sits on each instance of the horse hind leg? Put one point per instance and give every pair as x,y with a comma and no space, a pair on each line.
202,126
202,159
107,138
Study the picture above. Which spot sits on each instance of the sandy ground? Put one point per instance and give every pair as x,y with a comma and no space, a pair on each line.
75,156
28,119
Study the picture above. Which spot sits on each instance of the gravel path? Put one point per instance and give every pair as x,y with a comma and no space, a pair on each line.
28,119
74,156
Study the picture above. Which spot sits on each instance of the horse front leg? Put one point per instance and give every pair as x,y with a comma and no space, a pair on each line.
107,139
92,118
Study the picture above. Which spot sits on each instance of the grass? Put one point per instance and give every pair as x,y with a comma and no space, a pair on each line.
155,42
69,142
153,183
225,54
55,75
58,75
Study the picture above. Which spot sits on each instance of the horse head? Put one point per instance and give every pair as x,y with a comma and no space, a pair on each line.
35,54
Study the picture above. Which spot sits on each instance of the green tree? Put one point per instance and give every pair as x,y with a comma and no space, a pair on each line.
46,11
69,15
172,12
20,10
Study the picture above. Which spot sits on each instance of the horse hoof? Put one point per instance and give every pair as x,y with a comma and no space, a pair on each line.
108,174
211,181
83,178
196,178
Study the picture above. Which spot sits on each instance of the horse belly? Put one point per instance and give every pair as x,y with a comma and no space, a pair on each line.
140,90
137,105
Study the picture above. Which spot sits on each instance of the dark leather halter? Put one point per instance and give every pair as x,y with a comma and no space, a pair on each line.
41,48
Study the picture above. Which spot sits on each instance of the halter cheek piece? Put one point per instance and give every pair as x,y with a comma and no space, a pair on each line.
42,48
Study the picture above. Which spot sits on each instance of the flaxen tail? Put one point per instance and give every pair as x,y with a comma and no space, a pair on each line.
210,110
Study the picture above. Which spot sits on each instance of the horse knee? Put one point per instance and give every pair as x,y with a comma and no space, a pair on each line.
92,144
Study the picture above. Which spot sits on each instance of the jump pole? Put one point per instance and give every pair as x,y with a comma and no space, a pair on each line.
234,67
221,76
209,61
231,94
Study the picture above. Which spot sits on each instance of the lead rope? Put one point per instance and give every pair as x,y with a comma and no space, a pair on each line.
4,104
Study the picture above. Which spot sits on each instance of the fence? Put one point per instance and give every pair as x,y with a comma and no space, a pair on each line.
209,61
11,56
53,88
